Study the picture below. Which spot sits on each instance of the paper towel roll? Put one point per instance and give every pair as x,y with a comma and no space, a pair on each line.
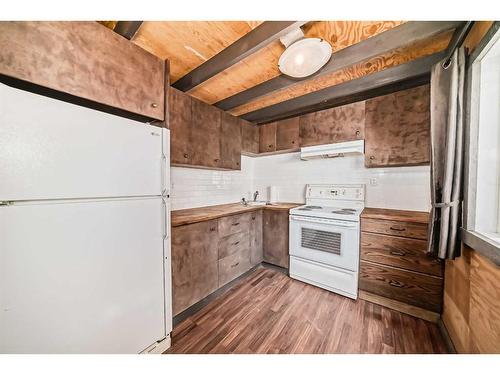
273,194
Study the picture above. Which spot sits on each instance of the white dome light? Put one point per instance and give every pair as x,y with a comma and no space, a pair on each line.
305,57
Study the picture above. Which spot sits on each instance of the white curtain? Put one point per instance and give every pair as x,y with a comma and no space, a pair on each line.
447,112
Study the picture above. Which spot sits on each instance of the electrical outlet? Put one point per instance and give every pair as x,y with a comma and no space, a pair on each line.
373,181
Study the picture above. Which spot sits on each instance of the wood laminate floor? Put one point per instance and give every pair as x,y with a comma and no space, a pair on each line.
268,312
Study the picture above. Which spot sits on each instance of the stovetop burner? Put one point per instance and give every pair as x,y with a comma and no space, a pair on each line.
310,208
344,211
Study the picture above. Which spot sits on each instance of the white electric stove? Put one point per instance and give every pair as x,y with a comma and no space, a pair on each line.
324,238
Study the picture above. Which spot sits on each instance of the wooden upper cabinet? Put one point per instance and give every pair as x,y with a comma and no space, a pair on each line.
267,137
180,127
339,124
398,128
87,60
249,137
230,142
287,134
205,135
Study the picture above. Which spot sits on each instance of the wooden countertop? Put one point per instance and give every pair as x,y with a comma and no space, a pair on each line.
395,215
198,214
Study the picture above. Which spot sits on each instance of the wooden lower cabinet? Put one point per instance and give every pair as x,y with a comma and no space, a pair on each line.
234,247
209,254
256,253
194,263
275,237
413,288
395,269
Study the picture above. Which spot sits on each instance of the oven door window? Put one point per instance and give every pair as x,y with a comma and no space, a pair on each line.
330,242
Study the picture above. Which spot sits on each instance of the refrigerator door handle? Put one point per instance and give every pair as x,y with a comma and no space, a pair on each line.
164,219
163,171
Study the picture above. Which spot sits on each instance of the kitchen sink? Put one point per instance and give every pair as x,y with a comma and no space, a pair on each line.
256,203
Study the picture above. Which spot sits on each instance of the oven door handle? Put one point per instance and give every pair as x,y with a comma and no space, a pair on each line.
326,221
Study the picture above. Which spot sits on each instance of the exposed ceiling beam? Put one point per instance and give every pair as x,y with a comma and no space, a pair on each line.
405,34
127,29
249,43
456,40
397,78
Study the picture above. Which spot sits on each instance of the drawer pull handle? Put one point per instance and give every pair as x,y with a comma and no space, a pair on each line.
398,253
397,284
212,229
235,224
236,243
234,265
398,229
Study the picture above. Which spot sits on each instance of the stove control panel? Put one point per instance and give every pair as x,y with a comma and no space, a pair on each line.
334,192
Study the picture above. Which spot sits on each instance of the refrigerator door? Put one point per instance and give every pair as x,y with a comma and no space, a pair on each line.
52,149
82,276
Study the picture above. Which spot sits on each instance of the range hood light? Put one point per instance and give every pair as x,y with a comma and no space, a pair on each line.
333,150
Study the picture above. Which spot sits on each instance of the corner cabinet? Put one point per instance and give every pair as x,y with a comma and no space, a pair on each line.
398,128
205,135
275,237
202,135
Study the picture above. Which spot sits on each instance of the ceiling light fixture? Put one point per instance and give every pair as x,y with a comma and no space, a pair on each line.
303,56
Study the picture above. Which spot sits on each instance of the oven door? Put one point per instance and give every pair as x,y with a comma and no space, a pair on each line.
332,242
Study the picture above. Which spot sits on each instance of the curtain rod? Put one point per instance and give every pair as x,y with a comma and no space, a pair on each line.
456,41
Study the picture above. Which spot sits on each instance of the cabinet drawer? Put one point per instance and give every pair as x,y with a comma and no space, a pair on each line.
406,286
234,224
395,228
233,266
233,243
407,253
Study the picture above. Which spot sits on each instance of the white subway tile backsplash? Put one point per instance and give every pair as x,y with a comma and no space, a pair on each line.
399,187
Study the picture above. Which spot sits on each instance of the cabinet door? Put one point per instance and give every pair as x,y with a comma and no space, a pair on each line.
275,237
267,137
249,137
287,134
205,135
230,142
87,60
398,128
180,127
194,263
339,124
256,254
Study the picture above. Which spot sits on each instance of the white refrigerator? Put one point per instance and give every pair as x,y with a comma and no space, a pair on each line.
84,229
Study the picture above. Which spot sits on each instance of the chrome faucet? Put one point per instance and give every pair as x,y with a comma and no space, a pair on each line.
244,202
255,195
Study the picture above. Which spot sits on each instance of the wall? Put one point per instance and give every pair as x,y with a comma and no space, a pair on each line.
192,187
471,312
398,187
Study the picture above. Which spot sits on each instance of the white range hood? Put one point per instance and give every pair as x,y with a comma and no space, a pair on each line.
333,150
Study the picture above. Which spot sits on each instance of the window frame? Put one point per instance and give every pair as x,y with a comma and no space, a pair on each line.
479,242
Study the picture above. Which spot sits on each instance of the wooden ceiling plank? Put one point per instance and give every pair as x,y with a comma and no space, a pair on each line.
127,29
261,36
407,33
404,75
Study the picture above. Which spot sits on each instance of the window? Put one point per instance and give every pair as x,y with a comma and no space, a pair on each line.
483,179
